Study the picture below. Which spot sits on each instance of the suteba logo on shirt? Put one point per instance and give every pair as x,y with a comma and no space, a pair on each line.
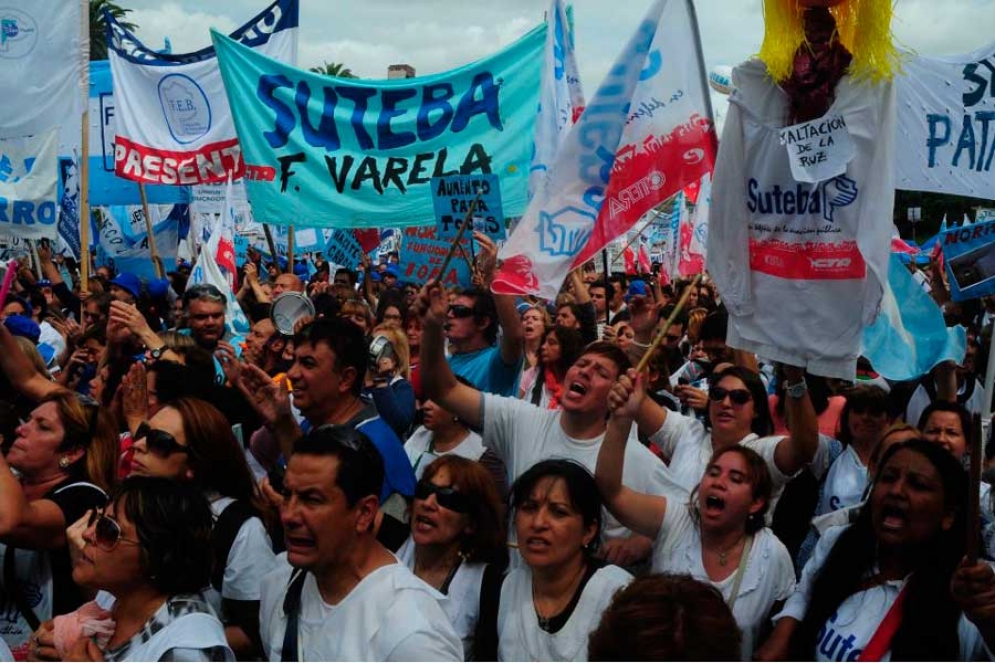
835,646
802,199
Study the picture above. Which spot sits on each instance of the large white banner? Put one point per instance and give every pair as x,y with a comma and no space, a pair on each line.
946,133
174,124
28,186
43,47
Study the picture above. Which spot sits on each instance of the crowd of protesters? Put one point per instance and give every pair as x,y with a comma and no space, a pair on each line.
417,472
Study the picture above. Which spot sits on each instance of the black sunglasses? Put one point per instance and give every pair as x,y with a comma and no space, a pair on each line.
447,496
159,442
107,532
460,311
737,396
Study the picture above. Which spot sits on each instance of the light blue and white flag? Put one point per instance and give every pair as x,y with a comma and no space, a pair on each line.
909,336
207,271
561,98
28,192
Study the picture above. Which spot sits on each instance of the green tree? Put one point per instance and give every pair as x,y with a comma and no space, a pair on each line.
98,27
334,69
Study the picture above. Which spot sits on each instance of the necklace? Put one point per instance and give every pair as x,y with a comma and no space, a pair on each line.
724,554
546,623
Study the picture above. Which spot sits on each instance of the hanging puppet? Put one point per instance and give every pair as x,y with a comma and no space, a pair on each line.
803,190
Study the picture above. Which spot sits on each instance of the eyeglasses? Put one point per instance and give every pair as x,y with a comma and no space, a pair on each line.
737,396
447,496
460,311
160,442
107,532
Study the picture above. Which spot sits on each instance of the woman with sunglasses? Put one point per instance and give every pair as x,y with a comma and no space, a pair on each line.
64,455
190,441
149,551
457,545
718,536
550,607
543,385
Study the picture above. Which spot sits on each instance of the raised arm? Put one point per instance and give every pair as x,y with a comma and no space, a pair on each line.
639,512
798,450
438,382
19,370
513,336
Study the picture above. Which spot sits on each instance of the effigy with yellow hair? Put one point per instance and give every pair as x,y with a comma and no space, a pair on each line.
803,190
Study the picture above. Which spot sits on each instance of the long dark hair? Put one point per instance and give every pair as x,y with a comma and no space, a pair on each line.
928,631
571,345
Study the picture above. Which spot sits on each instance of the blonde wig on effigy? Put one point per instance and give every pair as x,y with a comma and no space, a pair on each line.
863,27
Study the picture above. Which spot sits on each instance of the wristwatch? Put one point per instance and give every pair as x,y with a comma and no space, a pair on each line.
156,353
796,390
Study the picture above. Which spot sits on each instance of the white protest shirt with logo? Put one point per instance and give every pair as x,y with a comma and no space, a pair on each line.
848,630
174,124
801,265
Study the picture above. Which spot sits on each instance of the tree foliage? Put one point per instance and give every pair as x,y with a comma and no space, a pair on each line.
336,69
98,27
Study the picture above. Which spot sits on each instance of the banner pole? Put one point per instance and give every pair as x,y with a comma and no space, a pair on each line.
974,490
36,261
84,204
153,251
290,250
459,236
703,76
608,311
271,244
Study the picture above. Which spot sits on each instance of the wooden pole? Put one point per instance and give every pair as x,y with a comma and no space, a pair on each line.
271,244
459,236
84,204
160,272
290,250
666,325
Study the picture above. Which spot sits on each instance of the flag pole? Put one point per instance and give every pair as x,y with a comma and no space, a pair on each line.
271,244
974,489
608,311
666,325
459,236
290,250
702,75
153,251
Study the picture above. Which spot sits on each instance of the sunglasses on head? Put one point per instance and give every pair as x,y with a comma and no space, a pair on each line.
460,311
107,532
737,396
159,442
447,496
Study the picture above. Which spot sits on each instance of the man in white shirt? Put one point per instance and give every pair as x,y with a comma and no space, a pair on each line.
339,595
523,434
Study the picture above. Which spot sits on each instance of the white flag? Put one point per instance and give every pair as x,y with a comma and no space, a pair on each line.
561,99
28,186
207,271
174,124
644,135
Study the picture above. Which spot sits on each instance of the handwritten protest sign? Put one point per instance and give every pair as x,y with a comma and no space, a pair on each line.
818,150
969,252
422,255
452,197
344,249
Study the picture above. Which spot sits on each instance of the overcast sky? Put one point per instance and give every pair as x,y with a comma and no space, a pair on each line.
435,35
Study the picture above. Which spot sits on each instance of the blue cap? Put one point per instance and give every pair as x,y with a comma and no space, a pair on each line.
158,288
637,287
20,325
392,270
301,270
129,282
44,283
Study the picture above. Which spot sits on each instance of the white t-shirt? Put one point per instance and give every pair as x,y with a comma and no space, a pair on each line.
801,267
845,483
769,576
689,446
920,401
851,627
250,559
389,616
523,434
519,635
471,448
461,602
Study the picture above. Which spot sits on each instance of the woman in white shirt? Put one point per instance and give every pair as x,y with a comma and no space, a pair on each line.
550,607
718,537
457,545
894,584
150,549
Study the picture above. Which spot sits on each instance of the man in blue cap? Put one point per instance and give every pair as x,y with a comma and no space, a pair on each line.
125,287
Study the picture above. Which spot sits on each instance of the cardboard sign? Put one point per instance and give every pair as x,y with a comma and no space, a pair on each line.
452,197
343,249
969,252
422,255
818,150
